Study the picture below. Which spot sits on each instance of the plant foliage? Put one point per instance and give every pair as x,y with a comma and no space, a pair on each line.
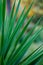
11,35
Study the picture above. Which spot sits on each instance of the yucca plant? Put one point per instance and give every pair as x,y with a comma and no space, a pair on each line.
10,35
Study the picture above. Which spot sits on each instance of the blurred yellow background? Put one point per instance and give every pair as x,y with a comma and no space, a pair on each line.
35,9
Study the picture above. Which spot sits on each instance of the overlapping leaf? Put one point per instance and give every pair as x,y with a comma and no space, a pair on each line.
9,54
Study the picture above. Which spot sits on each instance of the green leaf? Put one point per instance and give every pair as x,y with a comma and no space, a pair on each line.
14,18
13,46
33,57
11,34
3,18
18,26
10,28
40,61
10,17
24,40
0,13
24,48
16,29
20,22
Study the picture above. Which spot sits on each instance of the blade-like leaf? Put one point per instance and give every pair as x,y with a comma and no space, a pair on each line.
14,19
34,56
11,26
16,40
24,40
0,30
3,18
19,25
24,48
0,13
18,21
7,23
11,33
21,21
40,61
